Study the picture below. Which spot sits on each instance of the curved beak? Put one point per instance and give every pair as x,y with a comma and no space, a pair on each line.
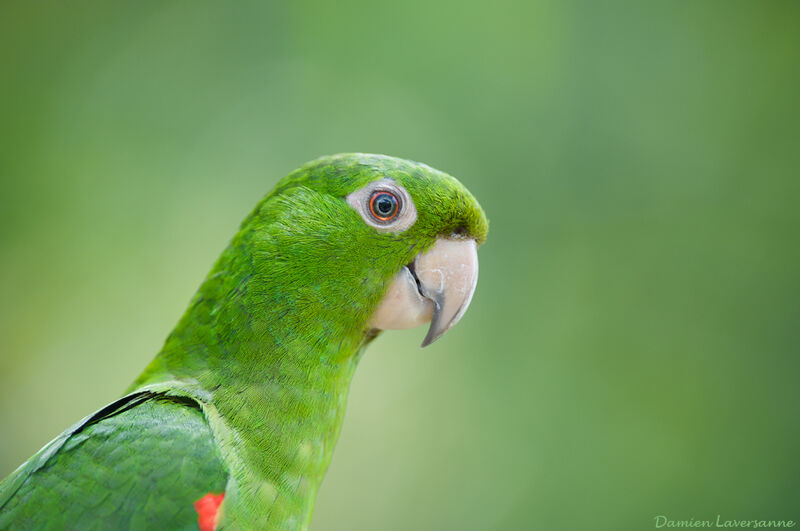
436,287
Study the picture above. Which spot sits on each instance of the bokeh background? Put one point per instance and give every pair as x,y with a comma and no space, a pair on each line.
633,348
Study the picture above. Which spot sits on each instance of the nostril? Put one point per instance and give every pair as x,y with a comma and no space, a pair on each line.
460,231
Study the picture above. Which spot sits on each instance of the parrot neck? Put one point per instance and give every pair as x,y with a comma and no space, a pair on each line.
277,368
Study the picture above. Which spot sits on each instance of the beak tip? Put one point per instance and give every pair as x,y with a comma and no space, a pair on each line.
428,340
435,331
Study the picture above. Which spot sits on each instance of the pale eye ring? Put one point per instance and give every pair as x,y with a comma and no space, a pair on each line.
384,206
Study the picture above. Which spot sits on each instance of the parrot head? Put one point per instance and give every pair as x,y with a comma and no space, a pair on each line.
373,242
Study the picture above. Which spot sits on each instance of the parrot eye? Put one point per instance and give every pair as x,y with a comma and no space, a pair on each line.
384,206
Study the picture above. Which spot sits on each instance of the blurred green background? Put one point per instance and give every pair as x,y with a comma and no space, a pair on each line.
633,348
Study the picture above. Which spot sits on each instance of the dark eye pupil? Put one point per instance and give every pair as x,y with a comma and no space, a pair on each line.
384,204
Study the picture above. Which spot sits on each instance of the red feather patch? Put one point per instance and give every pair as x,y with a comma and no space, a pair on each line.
207,507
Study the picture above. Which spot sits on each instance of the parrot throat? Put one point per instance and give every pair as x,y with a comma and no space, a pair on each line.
275,360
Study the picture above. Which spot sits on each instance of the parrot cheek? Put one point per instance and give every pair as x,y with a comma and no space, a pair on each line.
437,288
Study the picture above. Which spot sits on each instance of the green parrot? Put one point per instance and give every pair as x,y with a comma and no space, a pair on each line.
233,423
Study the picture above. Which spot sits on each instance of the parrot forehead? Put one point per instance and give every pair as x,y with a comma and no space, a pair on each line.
347,172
